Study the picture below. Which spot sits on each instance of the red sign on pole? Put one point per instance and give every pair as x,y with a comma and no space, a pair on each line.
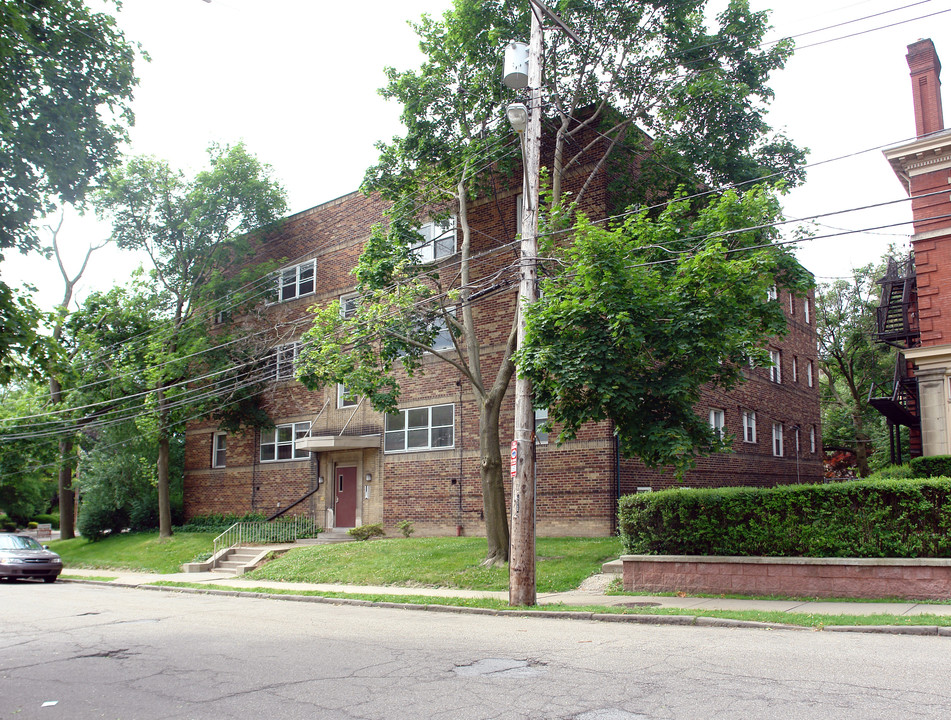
514,456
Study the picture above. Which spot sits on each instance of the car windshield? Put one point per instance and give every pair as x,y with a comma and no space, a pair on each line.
18,542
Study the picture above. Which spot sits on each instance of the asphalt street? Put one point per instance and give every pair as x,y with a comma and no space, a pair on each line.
83,651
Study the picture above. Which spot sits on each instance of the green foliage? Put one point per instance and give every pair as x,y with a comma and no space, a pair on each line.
895,472
636,320
932,466
850,361
218,522
51,519
98,517
365,532
67,85
27,464
406,527
883,518
7,524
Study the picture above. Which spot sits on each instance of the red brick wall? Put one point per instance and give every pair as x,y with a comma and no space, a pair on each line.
817,577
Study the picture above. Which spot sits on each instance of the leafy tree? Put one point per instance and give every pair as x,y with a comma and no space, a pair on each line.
66,82
27,462
700,94
195,233
850,360
627,332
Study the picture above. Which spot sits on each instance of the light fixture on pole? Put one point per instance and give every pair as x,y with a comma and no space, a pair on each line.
517,114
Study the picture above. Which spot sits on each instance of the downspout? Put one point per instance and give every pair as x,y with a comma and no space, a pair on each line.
617,481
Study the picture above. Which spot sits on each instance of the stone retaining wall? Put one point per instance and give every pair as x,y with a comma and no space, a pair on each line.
925,579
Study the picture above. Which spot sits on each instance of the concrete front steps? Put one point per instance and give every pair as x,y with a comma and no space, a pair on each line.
239,560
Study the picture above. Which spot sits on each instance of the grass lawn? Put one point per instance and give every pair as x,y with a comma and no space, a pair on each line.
438,562
142,552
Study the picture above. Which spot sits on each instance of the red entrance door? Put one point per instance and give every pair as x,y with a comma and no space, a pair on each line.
345,503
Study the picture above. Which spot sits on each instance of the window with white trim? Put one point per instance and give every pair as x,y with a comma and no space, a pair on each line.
296,281
348,304
796,430
806,311
443,339
219,444
279,443
772,293
423,428
345,398
795,369
775,366
749,426
284,360
812,439
541,417
439,240
792,304
778,439
809,376
717,421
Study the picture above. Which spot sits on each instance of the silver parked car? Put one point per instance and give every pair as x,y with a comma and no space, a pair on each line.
23,557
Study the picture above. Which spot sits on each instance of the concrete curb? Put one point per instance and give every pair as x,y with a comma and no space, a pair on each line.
694,620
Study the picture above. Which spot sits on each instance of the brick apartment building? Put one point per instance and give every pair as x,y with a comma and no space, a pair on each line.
354,466
915,313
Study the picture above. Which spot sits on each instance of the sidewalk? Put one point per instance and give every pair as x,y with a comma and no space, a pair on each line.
573,597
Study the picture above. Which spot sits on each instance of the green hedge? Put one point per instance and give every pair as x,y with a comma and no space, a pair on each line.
930,467
877,518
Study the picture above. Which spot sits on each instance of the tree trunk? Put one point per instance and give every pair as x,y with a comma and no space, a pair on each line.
164,496
493,489
861,445
67,521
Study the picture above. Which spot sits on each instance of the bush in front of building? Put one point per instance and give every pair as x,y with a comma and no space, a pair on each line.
51,519
867,518
934,466
218,522
365,532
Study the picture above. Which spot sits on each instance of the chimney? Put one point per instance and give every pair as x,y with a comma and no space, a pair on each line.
926,86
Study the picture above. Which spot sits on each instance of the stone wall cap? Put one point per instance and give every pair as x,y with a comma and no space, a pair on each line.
770,560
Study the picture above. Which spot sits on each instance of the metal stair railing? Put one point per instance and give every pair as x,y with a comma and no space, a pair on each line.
264,532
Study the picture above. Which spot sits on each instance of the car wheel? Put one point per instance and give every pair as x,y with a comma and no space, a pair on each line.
49,579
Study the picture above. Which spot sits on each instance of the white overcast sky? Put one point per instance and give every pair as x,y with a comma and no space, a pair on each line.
297,80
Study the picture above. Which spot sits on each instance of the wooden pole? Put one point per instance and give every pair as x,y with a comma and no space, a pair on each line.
522,550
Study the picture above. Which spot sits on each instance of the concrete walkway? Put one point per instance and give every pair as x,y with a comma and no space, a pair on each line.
573,597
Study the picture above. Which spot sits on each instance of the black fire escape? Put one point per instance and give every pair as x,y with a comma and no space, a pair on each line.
897,325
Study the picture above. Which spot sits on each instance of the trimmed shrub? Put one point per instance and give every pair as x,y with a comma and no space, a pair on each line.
218,522
869,518
934,466
894,472
365,532
407,527
51,518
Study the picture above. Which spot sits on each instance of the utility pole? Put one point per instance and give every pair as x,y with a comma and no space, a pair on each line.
522,549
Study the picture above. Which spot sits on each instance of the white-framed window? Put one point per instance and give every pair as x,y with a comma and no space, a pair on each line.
717,421
423,428
348,304
749,426
221,317
296,281
219,446
809,373
772,293
279,443
439,240
778,439
806,311
775,366
792,304
541,417
795,369
797,431
345,398
284,360
812,439
443,339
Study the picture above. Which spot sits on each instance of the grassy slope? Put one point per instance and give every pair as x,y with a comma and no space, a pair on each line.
438,562
142,552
